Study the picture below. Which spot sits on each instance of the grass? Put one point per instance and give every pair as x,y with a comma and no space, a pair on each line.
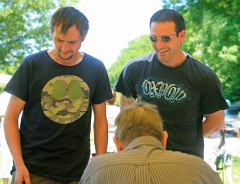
235,170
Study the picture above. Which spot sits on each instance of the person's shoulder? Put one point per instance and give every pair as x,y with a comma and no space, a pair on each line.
102,161
141,60
92,61
192,165
184,158
198,67
99,164
196,62
35,58
37,55
92,58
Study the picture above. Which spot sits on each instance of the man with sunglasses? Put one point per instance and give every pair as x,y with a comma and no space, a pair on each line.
183,88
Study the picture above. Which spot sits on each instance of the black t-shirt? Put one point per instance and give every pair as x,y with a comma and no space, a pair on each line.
56,119
182,94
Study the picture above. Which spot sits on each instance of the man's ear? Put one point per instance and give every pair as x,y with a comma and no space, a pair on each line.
182,35
164,139
118,144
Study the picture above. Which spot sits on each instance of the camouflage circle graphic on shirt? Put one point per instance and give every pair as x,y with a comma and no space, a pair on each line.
64,99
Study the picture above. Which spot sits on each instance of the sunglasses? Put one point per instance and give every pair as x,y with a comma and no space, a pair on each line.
165,38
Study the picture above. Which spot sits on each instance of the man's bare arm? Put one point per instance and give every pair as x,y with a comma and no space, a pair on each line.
100,127
12,135
213,123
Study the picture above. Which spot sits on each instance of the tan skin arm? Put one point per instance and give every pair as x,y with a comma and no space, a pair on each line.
213,123
12,135
125,101
100,127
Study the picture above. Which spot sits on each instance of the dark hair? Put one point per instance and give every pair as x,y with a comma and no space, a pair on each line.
169,15
68,17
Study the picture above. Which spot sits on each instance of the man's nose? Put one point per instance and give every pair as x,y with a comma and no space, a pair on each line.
159,43
65,46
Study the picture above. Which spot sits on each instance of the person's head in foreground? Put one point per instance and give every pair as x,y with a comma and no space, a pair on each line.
142,158
136,120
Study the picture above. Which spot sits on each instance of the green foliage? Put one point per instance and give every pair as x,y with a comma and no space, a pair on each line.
24,28
213,37
137,47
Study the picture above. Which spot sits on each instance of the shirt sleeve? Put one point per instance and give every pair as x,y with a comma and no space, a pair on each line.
212,98
125,82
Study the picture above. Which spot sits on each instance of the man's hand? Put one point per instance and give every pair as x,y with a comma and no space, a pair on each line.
22,176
